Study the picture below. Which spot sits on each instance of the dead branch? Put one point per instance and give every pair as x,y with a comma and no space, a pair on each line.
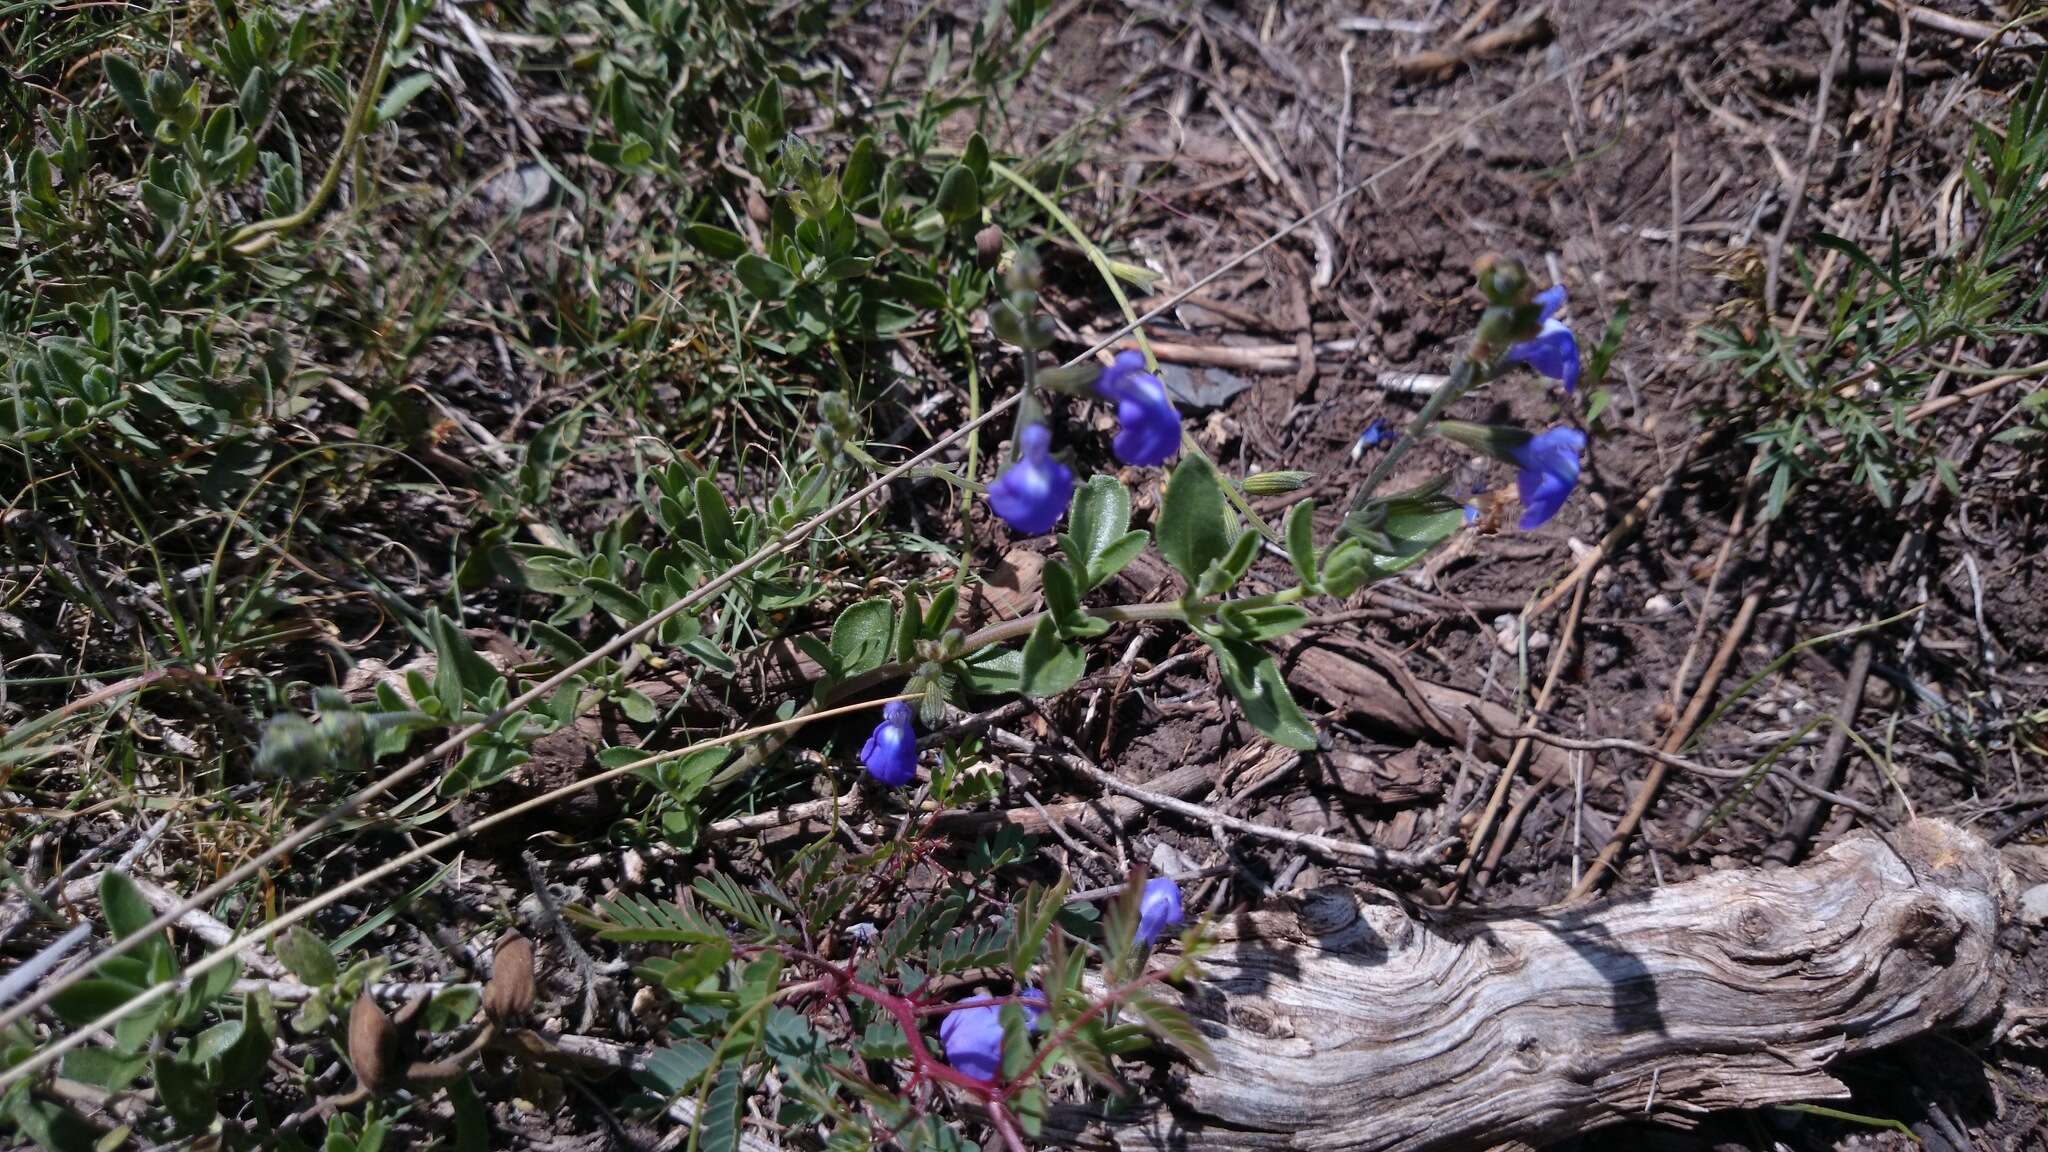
1351,1025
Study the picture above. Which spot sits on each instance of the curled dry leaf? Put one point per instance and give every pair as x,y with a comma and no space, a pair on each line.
372,1044
509,995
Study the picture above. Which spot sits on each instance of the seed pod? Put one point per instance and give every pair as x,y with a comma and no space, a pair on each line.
988,246
509,995
372,1044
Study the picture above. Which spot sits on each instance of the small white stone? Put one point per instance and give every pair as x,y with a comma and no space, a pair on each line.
2034,906
646,1003
1657,605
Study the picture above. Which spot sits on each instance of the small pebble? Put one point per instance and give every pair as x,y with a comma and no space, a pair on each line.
2034,906
1657,605
646,1003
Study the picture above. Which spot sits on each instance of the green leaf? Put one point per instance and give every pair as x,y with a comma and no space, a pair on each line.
181,1086
1098,540
637,705
472,1118
452,1007
675,1069
907,628
993,671
1050,666
103,1069
763,277
127,82
52,1126
1254,678
1300,531
1596,405
716,241
959,198
215,1042
714,520
1603,353
459,669
618,601
126,910
401,93
306,956
862,169
861,635
1267,623
975,156
1399,530
245,1064
1196,527
1064,601
88,1000
718,1125
1171,1024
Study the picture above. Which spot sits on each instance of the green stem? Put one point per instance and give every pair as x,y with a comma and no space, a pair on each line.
1463,376
254,238
973,441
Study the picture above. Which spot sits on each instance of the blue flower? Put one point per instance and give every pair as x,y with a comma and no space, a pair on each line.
1375,434
973,1036
1549,463
1158,908
1032,493
1148,432
890,755
1553,351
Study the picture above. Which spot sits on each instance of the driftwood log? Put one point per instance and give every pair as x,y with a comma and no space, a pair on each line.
1351,1024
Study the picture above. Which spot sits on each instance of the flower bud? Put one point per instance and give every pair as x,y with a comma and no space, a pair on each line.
1275,483
1496,440
1502,280
372,1044
834,410
509,995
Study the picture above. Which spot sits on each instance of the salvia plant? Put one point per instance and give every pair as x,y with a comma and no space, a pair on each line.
1005,1005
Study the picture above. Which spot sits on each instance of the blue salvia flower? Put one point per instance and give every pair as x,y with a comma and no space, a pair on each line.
973,1037
1553,351
890,755
1032,493
1549,463
1148,429
1158,909
1375,434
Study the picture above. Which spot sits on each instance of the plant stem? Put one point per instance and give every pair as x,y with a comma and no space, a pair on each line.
254,238
1463,376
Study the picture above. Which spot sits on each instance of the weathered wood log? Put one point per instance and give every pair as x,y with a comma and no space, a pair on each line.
1349,1024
